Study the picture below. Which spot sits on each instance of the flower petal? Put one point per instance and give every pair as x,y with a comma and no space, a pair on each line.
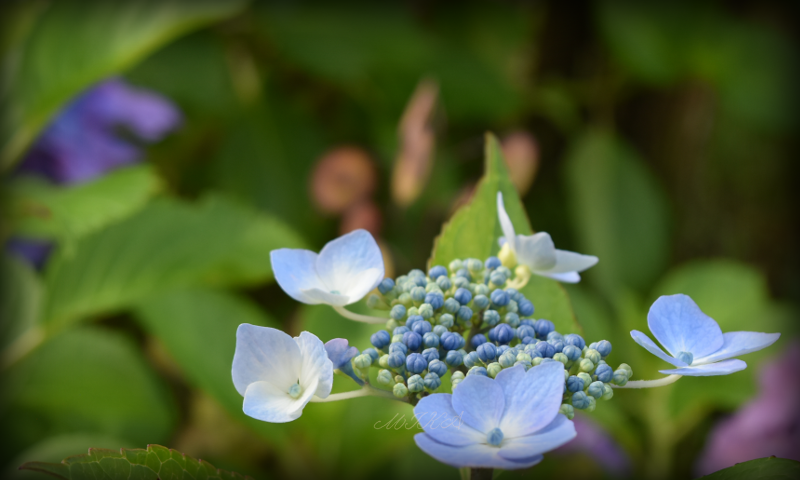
340,351
505,222
342,263
316,367
479,455
295,270
651,347
537,251
724,367
739,343
264,354
532,398
679,324
567,261
557,433
317,296
436,416
264,401
479,402
569,277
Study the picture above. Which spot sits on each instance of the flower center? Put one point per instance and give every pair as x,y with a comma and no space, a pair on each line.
295,390
336,292
494,437
686,357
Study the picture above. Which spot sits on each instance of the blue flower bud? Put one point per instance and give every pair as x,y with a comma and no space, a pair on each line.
586,365
529,322
462,296
385,377
460,282
425,311
430,340
477,340
604,347
503,333
437,271
580,400
604,373
574,384
399,390
432,381
575,340
480,302
396,360
415,384
608,392
503,349
398,347
401,330
455,265
525,308
449,341
433,287
418,294
487,352
491,317
491,335
554,336
454,358
557,344
592,355
525,364
422,327
543,327
493,369
512,319
398,312
464,273
526,331
419,280
439,330
545,349
451,305
513,294
478,371
498,278
413,340
567,410
380,339
507,359
430,354
386,286
572,352
435,299
446,320
372,353
413,319
595,389
416,273
492,263
620,378
464,313
472,359
438,367
444,283
511,307
500,298
416,363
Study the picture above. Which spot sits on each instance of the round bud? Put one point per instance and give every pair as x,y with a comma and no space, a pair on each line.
397,338
405,300
399,390
499,298
574,384
425,311
567,410
473,265
454,358
620,378
560,357
372,353
415,384
524,331
608,392
464,313
450,341
398,347
604,347
508,359
523,357
460,282
439,330
413,319
399,379
398,312
391,324
472,359
543,327
430,354
504,333
511,307
455,265
435,300
437,271
592,355
412,340
554,336
432,382
480,302
444,283
477,340
595,389
492,263
384,361
545,349
422,327
478,371
685,357
416,363
604,373
537,361
586,365
385,377
418,294
592,404
432,287
493,369
557,344
627,368
438,367
380,339
396,360
572,352
580,400
386,286
416,273
373,301
575,340
525,308
462,296
487,352
497,279
512,319
587,379
491,317
451,305
446,320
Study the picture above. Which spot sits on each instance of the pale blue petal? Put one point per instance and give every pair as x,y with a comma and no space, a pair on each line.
679,324
532,398
295,270
536,251
568,277
477,455
651,347
724,367
436,416
479,402
505,222
739,343
264,401
317,368
340,352
343,263
567,261
317,296
264,354
557,433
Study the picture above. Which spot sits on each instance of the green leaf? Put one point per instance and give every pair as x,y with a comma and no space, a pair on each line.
168,244
86,379
57,61
155,463
198,329
474,229
619,212
20,299
770,468
43,210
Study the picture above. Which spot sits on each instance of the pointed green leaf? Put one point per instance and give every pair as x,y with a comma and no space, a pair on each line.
155,463
770,468
474,230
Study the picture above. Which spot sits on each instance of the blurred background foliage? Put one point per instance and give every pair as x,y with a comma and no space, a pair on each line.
655,135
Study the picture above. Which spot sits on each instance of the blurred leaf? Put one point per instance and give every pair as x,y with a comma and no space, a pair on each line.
619,212
85,379
165,245
735,295
20,299
59,61
198,329
473,231
66,213
770,468
155,463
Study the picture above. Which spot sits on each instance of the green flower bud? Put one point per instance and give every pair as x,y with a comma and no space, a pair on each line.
413,311
473,265
587,379
362,361
620,377
432,287
481,289
457,375
568,410
446,320
592,404
608,392
405,299
397,338
375,302
426,310
627,368
586,365
592,355
512,307
560,357
493,369
400,390
384,361
385,377
536,361
455,265
399,379
523,357
416,384
392,324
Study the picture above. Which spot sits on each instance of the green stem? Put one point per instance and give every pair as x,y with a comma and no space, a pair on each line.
480,473
366,391
357,316
650,383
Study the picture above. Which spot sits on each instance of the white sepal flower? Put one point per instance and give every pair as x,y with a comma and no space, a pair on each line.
539,254
278,375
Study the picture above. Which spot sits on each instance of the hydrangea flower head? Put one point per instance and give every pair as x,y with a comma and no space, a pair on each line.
695,343
343,272
276,374
538,252
507,423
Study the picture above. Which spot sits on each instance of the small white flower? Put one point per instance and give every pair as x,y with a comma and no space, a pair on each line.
276,374
343,272
538,252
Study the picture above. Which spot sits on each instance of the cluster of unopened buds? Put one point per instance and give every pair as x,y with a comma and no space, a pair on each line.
515,381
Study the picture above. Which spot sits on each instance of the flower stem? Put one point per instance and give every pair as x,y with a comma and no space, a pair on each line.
480,474
366,391
357,316
651,383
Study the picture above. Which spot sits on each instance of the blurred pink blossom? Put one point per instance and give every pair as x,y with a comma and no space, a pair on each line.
594,441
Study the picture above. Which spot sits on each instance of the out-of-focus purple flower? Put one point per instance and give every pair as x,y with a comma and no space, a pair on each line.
33,251
768,425
84,141
598,444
